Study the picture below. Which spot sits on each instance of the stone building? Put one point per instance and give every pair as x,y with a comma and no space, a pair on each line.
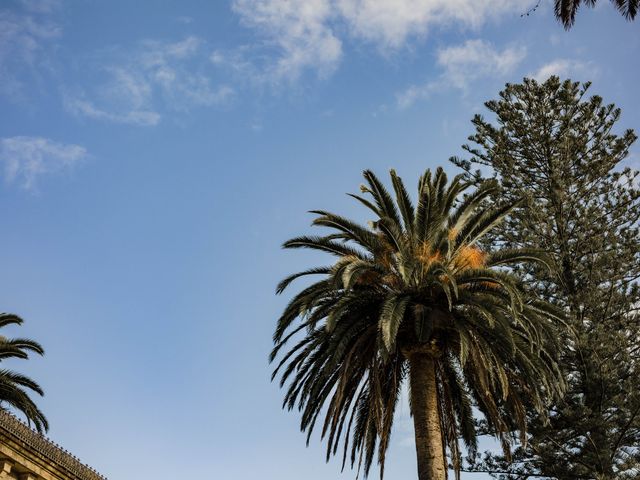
27,455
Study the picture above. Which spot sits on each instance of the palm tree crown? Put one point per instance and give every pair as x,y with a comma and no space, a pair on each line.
414,298
566,9
13,386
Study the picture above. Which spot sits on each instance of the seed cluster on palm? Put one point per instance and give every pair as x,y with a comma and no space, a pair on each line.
14,387
413,298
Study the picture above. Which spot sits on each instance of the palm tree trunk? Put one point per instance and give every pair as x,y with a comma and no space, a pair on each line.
426,417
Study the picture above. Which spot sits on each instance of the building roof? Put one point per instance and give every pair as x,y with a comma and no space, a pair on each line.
35,442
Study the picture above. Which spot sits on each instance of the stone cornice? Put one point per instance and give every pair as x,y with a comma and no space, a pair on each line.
32,440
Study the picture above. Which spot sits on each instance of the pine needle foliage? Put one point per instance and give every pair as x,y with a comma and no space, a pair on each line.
14,387
415,283
562,153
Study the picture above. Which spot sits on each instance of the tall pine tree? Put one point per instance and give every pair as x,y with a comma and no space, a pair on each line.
558,149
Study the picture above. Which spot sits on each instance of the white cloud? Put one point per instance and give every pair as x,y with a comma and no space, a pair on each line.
41,6
309,34
414,93
238,61
167,67
477,58
25,38
563,68
299,30
390,23
184,19
82,107
155,78
27,158
463,64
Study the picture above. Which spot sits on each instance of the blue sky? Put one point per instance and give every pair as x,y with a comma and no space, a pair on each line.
154,156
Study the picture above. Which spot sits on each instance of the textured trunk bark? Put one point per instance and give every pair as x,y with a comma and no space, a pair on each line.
426,418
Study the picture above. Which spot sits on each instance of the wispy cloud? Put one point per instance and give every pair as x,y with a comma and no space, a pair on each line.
41,6
391,23
28,158
300,33
26,35
131,116
463,64
155,78
184,19
563,67
308,35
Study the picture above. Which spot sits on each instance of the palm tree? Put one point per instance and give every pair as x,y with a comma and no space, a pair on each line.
413,297
13,386
566,9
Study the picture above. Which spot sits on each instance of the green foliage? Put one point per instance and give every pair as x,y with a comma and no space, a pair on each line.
555,148
414,280
566,9
13,386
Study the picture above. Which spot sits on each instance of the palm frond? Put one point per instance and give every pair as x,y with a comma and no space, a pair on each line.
14,387
414,280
